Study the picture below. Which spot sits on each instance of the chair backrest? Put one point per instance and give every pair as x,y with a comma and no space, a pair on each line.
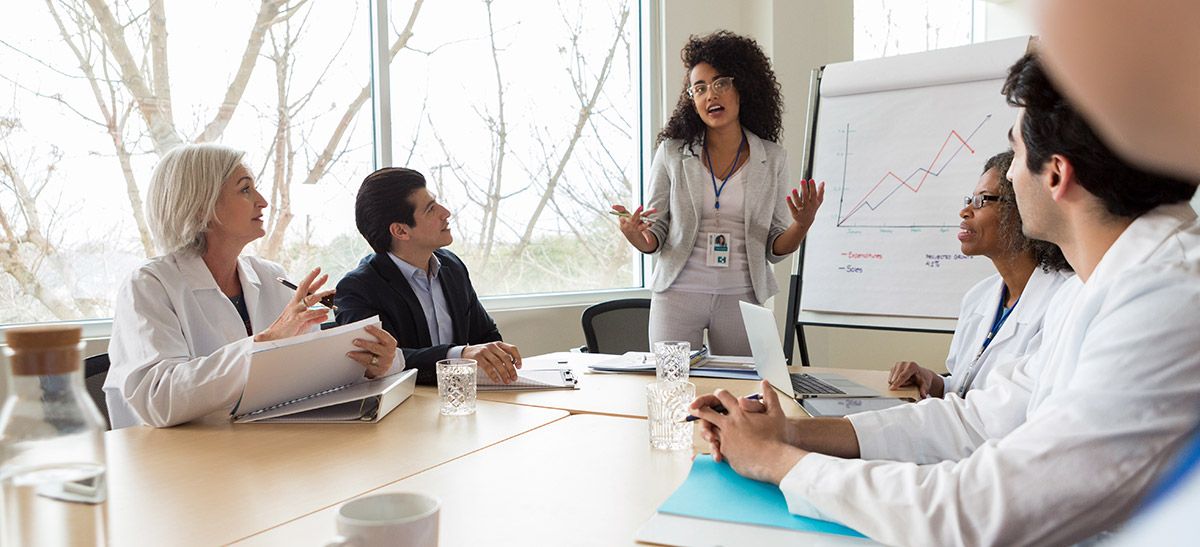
95,370
617,326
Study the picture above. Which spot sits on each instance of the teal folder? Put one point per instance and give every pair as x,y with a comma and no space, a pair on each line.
714,491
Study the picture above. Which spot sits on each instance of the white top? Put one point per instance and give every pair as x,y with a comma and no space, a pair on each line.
679,180
1020,334
697,275
1059,446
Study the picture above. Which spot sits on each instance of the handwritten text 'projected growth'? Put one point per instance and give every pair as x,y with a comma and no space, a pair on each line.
889,189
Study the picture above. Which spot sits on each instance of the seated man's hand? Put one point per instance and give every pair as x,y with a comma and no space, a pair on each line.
708,431
752,442
498,360
908,373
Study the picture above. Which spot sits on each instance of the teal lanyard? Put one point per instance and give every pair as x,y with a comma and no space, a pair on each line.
729,174
1002,313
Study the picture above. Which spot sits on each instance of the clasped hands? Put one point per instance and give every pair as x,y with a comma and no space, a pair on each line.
752,437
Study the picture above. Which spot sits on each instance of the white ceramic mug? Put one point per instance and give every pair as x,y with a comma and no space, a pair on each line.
404,519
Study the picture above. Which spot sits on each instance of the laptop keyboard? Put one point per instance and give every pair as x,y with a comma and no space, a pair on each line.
806,384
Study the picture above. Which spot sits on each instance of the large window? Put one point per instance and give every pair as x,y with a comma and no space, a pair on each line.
522,115
883,28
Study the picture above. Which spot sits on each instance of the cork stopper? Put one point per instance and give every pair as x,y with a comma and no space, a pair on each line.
44,350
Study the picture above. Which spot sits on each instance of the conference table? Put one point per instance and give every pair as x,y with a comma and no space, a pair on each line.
530,467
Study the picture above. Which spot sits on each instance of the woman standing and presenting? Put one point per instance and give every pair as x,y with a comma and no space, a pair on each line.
719,209
184,323
1001,317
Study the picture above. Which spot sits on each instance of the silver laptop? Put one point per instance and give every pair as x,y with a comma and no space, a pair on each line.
772,366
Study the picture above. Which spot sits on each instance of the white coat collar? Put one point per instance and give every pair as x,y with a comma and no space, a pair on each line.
1141,240
200,278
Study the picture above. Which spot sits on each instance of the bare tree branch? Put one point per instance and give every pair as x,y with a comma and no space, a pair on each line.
267,13
584,112
324,160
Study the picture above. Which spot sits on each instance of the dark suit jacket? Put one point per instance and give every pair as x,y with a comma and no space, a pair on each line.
377,287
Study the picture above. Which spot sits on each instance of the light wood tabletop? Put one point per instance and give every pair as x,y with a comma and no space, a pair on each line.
214,482
583,480
519,471
624,394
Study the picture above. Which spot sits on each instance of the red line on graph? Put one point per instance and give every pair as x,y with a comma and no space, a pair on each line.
904,182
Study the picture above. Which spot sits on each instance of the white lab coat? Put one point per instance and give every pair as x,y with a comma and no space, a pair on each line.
179,349
1020,333
1061,445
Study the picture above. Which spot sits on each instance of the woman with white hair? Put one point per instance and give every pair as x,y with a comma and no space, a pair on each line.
184,322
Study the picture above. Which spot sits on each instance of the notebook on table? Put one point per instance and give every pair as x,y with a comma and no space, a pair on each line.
310,372
531,380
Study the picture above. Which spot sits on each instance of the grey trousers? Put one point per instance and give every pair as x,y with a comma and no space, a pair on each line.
677,315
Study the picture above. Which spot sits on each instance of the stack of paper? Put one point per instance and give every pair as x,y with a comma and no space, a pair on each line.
711,366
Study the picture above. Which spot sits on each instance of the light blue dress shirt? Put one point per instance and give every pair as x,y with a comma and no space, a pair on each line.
428,288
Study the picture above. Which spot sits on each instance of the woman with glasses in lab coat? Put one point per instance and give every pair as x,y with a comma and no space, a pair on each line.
184,323
1001,316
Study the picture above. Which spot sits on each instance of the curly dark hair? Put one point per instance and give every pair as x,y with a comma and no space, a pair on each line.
1048,255
761,105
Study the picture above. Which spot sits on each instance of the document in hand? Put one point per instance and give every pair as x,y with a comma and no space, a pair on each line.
531,380
716,506
311,371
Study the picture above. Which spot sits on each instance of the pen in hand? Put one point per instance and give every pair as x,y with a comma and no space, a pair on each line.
327,301
720,409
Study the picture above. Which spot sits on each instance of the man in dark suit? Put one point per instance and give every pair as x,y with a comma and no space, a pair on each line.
420,291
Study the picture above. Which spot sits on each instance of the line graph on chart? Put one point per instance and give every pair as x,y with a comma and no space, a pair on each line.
875,200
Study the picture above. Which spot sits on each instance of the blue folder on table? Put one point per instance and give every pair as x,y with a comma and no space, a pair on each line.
715,492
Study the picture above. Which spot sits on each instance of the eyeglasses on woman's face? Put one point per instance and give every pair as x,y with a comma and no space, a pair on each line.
718,86
978,201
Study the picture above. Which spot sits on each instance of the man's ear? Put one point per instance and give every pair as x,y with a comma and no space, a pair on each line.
1060,176
400,231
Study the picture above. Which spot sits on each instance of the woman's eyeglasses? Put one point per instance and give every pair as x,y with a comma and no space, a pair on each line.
978,201
718,86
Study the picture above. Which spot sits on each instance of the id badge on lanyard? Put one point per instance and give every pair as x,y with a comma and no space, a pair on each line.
718,250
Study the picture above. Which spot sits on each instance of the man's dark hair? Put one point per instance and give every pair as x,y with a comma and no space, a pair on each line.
382,201
1052,126
1047,254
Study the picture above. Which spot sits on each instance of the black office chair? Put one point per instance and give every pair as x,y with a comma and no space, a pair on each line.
617,326
95,370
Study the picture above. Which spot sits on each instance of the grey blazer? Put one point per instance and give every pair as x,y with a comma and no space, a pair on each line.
678,181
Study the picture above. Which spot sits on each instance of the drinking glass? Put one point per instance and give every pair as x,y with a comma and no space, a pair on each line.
666,405
672,361
456,386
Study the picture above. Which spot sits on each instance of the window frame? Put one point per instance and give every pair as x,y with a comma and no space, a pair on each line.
649,60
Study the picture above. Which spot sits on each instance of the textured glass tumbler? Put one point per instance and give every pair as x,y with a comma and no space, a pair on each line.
666,406
672,361
456,386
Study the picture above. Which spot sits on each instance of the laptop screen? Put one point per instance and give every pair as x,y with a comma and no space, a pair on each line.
766,347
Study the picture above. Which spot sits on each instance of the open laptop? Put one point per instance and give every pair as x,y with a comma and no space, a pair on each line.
772,366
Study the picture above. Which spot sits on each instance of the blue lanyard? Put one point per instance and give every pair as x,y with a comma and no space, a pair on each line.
1002,313
729,174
